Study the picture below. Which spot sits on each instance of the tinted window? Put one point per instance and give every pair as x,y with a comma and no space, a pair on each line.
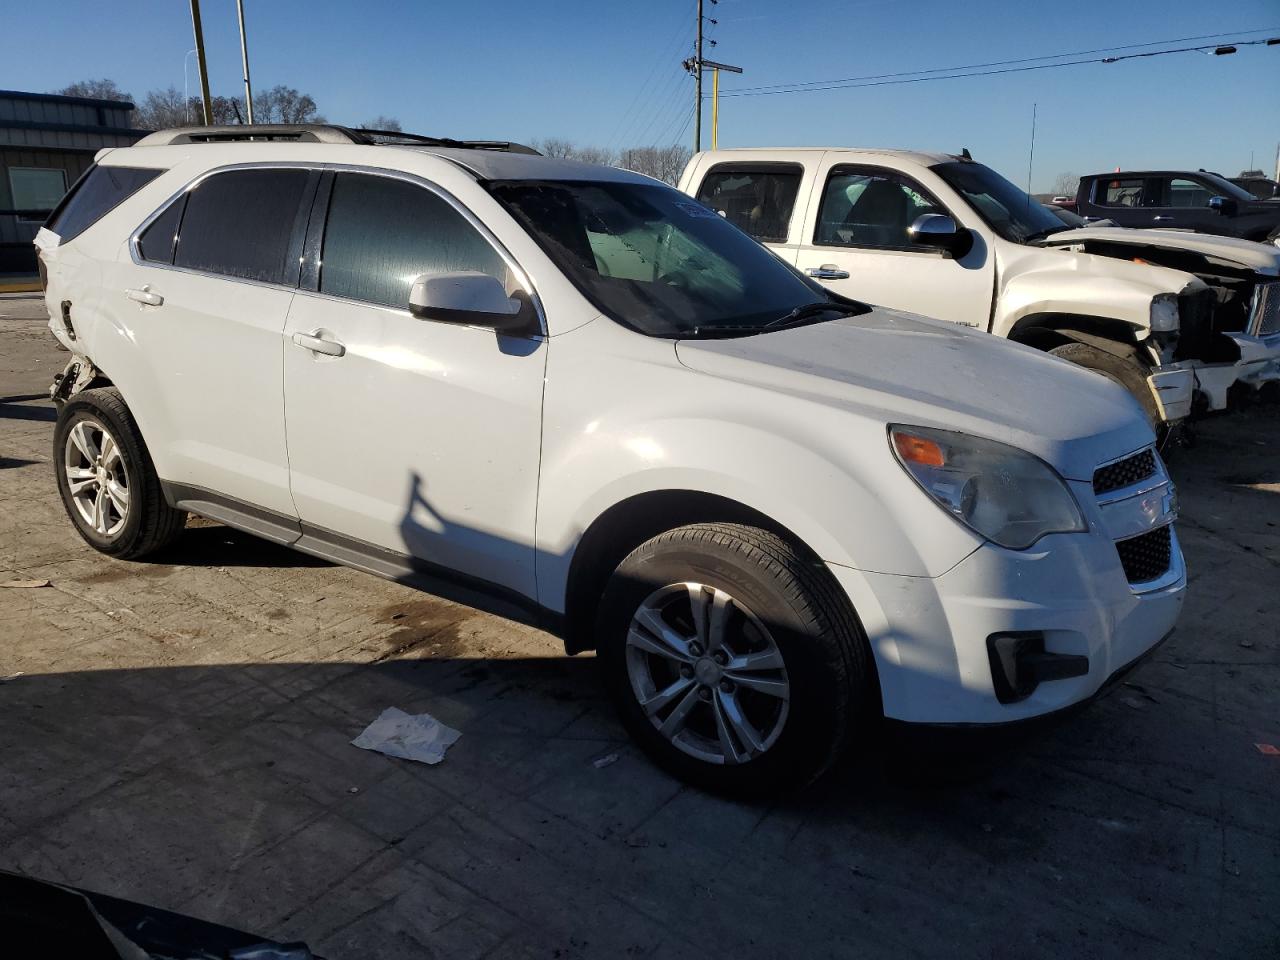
1188,193
759,201
95,195
870,210
382,233
659,261
1121,193
157,242
240,224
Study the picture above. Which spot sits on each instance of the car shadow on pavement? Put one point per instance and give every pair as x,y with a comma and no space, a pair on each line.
208,544
23,408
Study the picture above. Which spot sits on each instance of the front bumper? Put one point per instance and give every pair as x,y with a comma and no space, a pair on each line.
1258,365
1173,387
929,636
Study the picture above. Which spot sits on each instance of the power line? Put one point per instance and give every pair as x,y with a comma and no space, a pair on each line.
923,76
653,73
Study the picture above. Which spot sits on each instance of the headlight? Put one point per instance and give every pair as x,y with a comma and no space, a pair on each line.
1164,313
1000,492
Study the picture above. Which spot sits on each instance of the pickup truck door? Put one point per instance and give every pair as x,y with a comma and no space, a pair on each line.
855,242
1182,203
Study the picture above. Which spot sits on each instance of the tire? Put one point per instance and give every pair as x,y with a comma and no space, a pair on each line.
1128,373
135,519
784,612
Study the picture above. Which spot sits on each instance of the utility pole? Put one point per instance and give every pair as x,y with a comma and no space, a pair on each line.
697,82
244,59
204,69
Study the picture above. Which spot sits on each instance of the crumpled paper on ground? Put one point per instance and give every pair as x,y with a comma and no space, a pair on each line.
408,736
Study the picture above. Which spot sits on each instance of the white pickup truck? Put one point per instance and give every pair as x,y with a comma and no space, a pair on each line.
1179,319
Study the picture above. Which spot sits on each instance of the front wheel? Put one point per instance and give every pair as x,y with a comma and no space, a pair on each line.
1129,373
734,662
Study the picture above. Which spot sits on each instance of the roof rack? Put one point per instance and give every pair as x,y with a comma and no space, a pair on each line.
318,133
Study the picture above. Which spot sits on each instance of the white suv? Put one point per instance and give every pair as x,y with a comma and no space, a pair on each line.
575,396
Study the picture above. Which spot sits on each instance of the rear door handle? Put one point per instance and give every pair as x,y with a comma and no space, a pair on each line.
309,341
828,271
144,295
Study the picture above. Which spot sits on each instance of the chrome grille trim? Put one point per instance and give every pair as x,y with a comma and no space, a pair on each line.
1264,314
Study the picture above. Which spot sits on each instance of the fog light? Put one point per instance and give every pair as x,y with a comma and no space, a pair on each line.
1019,664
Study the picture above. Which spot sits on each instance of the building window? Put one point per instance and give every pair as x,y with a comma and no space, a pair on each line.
36,191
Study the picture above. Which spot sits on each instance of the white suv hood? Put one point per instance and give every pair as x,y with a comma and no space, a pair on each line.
900,368
1261,257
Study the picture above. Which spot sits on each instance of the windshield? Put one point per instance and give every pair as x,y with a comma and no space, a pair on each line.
1009,211
659,261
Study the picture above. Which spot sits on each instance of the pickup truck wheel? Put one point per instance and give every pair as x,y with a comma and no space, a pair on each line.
733,661
108,485
1128,373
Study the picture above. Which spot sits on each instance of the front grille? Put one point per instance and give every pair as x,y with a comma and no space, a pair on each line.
1147,556
1124,473
1265,316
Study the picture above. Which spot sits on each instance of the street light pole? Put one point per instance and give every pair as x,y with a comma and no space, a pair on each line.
244,58
204,69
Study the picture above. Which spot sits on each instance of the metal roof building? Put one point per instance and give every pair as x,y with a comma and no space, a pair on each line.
46,142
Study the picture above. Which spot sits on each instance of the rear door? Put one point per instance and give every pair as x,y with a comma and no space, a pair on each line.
856,242
203,293
763,199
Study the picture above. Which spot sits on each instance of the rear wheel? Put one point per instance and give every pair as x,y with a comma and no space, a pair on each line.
108,485
734,662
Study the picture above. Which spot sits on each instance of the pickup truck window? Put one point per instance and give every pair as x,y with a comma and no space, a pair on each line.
866,209
1124,193
1007,210
757,199
656,260
1188,193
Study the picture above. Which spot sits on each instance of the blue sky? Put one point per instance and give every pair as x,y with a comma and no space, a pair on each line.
607,72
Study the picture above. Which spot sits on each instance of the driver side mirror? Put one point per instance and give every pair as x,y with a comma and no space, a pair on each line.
468,297
1223,206
940,232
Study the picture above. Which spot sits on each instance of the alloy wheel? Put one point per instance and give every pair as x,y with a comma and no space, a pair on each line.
97,481
707,673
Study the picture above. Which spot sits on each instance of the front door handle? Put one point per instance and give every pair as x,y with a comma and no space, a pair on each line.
1158,219
144,295
309,341
828,271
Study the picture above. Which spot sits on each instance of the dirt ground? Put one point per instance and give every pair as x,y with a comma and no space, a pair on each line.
178,732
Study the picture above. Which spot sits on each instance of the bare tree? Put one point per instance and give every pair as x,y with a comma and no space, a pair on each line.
97,89
167,108
381,122
661,163
1065,185
283,104
556,147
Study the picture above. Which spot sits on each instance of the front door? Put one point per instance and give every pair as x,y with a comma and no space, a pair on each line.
419,438
857,244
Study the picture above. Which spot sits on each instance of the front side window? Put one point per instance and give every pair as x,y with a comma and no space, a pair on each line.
758,200
241,224
382,233
866,209
1188,194
658,261
1009,211
96,194
36,191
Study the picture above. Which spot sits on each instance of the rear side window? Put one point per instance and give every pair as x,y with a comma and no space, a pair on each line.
382,233
758,200
1122,193
242,224
95,195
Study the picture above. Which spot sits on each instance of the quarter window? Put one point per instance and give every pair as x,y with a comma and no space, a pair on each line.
758,201
870,210
241,224
95,195
382,233
156,243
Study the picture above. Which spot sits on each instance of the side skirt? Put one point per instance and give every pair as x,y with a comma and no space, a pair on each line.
414,572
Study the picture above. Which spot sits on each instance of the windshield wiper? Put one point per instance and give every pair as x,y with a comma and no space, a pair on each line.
802,314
